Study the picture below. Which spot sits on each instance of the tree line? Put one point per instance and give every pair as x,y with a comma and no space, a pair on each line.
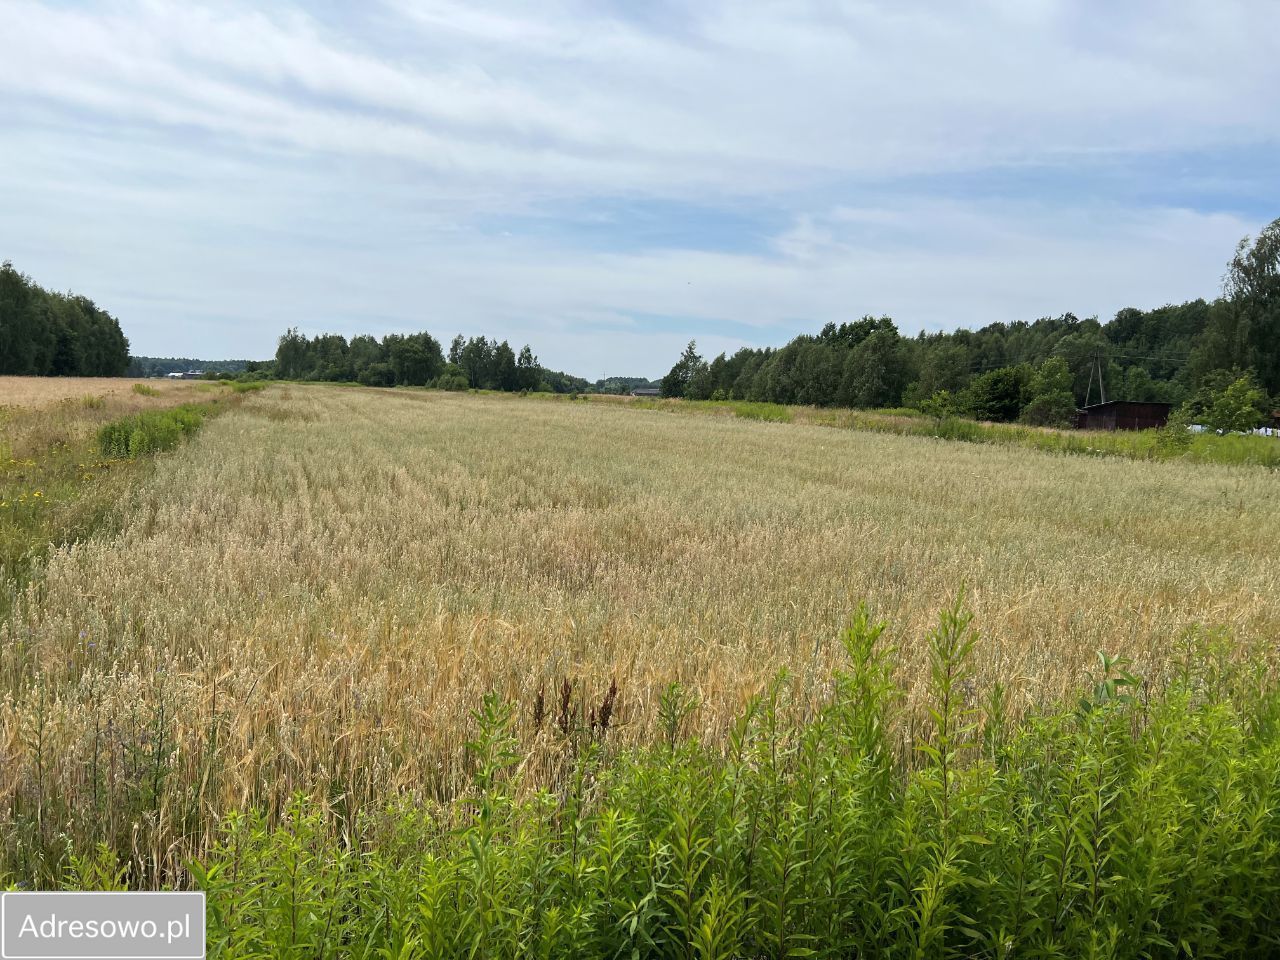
44,333
1039,372
415,360
163,366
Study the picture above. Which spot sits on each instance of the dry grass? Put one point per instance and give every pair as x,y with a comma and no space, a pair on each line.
46,391
315,593
40,414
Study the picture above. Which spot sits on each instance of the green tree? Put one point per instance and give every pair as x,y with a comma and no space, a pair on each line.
1239,408
505,376
942,368
292,355
875,371
1000,394
1051,402
44,333
528,373
1253,285
415,359
676,382
476,358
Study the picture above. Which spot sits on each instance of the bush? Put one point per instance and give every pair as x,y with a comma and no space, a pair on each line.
148,432
453,382
377,375
1238,409
999,395
1227,402
943,405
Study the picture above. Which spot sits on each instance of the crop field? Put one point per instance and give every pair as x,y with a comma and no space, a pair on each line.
30,392
310,601
1206,447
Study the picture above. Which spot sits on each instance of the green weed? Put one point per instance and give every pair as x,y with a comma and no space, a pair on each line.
149,432
1130,825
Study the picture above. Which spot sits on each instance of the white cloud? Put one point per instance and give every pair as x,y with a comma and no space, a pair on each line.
747,96
215,173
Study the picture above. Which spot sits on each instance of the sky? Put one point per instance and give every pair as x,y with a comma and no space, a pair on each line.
607,180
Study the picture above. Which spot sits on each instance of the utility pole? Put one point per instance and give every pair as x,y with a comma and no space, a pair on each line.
1095,365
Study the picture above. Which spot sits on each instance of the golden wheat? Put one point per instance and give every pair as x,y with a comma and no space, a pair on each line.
316,592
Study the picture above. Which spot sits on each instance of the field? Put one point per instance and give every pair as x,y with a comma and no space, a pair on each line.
313,598
35,392
55,485
1231,449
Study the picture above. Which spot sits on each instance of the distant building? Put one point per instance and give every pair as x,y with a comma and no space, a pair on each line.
1123,415
646,392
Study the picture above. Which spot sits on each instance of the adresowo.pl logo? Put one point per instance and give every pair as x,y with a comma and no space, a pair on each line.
101,926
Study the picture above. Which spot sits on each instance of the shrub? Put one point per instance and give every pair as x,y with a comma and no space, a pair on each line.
941,406
1238,409
377,375
1226,401
453,382
999,395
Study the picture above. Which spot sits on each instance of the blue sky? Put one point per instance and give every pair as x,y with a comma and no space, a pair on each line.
606,181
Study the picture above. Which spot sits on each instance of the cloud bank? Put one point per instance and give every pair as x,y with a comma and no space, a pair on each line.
606,181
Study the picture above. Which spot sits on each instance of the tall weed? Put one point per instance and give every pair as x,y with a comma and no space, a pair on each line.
1123,825
149,432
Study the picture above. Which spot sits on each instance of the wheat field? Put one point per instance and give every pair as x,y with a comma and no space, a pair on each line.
315,593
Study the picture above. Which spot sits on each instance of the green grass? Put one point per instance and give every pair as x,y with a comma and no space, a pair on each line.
245,386
1131,444
746,409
